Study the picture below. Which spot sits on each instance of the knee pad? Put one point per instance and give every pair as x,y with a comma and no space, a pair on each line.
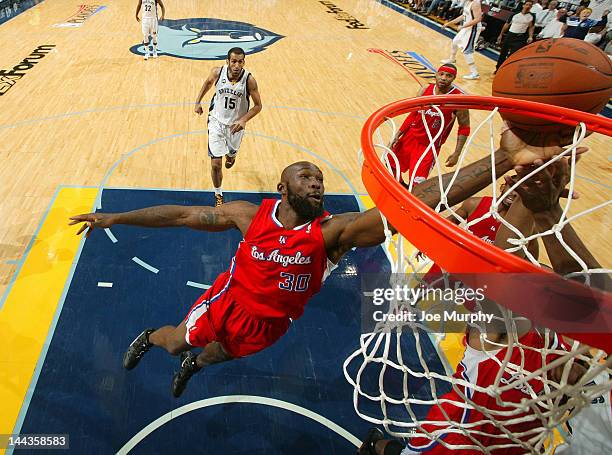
394,448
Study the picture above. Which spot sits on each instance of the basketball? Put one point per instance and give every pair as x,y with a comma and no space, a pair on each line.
564,72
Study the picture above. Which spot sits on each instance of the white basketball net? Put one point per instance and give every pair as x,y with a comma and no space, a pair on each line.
398,355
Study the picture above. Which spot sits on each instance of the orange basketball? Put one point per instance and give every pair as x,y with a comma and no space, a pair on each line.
565,72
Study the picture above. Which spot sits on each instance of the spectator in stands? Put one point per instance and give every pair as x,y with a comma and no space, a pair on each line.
595,35
598,7
518,31
577,26
433,6
553,28
451,9
544,17
536,7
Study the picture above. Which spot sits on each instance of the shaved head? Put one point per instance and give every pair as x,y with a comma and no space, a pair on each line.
301,185
290,170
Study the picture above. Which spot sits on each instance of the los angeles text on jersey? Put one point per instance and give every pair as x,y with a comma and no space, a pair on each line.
284,259
8,78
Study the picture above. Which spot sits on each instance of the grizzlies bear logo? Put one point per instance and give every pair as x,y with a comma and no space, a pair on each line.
208,38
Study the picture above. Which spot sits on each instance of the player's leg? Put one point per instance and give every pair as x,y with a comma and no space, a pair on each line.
145,37
233,141
504,51
402,150
454,49
421,162
216,174
169,337
217,149
468,53
191,363
154,29
375,444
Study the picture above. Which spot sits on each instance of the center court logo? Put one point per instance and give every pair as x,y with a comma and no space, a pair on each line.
208,38
8,78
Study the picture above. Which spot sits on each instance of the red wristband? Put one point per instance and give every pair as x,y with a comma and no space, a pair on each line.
463,131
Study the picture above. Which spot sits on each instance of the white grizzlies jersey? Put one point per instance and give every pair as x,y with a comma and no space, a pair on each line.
591,429
231,101
149,9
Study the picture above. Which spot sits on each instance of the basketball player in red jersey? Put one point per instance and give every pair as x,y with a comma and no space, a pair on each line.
486,229
538,204
288,249
412,140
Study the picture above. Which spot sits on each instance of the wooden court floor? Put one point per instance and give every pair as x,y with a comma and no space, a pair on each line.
89,112
90,101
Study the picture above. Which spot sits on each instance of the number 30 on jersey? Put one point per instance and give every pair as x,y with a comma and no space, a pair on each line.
295,283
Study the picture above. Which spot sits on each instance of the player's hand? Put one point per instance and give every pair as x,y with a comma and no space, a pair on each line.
452,160
529,147
91,221
459,27
499,40
198,109
237,126
420,256
530,40
162,18
542,190
445,25
137,19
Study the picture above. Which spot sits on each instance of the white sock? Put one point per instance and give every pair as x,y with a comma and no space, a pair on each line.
219,191
146,46
154,48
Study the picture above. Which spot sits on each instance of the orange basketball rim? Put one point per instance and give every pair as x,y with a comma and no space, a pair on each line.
554,302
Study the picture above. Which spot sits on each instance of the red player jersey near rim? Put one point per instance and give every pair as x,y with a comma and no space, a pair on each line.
414,127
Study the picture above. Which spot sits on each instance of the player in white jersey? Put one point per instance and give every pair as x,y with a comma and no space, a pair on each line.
228,113
149,23
591,430
467,36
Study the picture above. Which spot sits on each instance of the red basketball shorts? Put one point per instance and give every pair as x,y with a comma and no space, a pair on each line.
216,316
408,152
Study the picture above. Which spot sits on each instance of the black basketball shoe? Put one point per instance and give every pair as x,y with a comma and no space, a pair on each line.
188,368
137,349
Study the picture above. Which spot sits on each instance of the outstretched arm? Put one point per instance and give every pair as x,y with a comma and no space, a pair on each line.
366,229
231,215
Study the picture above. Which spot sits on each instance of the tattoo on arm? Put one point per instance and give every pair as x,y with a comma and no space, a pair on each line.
208,217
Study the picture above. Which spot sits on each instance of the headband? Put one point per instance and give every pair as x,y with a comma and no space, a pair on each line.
448,69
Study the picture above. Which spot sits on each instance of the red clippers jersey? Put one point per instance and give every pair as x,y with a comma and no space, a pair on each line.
481,368
414,126
485,229
276,270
